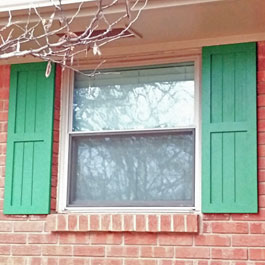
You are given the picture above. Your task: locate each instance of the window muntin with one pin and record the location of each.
(139, 114)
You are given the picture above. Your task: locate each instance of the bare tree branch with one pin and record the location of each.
(53, 39)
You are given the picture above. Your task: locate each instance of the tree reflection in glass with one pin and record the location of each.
(133, 168)
(131, 100)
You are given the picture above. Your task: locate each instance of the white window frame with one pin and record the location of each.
(66, 124)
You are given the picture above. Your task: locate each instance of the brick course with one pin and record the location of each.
(151, 239)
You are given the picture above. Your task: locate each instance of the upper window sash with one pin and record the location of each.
(135, 99)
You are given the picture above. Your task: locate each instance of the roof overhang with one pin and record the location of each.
(167, 25)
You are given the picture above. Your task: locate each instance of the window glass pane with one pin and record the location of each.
(135, 99)
(133, 170)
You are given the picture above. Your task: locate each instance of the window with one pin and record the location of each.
(132, 138)
(229, 179)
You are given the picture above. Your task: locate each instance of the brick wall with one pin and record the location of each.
(166, 239)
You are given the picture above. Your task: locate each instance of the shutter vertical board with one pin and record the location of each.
(29, 141)
(229, 129)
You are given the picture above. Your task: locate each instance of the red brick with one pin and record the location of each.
(261, 138)
(5, 227)
(152, 223)
(206, 227)
(5, 75)
(192, 252)
(29, 226)
(61, 222)
(261, 100)
(12, 239)
(248, 240)
(261, 187)
(57, 250)
(192, 223)
(94, 222)
(55, 148)
(2, 182)
(233, 227)
(35, 261)
(73, 261)
(178, 223)
(257, 228)
(203, 262)
(166, 262)
(261, 88)
(122, 251)
(3, 137)
(3, 149)
(56, 135)
(105, 222)
(4, 93)
(261, 161)
(157, 252)
(128, 222)
(182, 262)
(83, 223)
(229, 253)
(140, 262)
(212, 240)
(262, 200)
(257, 254)
(13, 261)
(165, 223)
(74, 238)
(56, 129)
(106, 238)
(50, 224)
(220, 263)
(72, 222)
(53, 203)
(261, 113)
(174, 239)
(5, 105)
(43, 239)
(26, 250)
(140, 239)
(51, 261)
(2, 160)
(261, 175)
(97, 261)
(116, 222)
(4, 250)
(140, 223)
(261, 76)
(3, 116)
(91, 251)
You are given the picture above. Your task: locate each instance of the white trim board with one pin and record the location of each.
(66, 118)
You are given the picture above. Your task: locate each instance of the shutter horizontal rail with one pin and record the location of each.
(31, 137)
(228, 127)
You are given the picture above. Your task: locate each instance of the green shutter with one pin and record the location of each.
(29, 141)
(229, 130)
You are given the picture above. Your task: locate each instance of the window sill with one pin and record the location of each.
(177, 223)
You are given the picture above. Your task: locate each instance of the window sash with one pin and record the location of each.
(132, 203)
